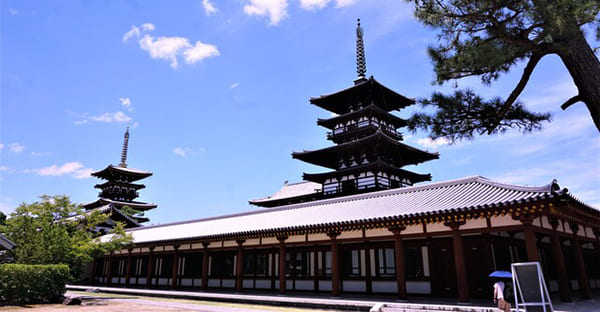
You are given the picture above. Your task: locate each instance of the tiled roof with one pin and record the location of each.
(292, 190)
(448, 196)
(5, 243)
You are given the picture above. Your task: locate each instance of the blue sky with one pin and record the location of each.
(217, 97)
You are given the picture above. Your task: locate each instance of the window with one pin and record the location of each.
(140, 266)
(350, 260)
(413, 261)
(222, 265)
(302, 264)
(192, 265)
(385, 262)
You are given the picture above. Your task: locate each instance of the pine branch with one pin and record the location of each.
(571, 101)
(533, 61)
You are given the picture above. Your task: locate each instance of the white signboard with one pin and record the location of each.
(530, 288)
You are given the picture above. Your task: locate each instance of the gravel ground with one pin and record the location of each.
(124, 303)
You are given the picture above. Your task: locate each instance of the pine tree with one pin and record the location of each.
(487, 39)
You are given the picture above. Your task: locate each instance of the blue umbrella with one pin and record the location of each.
(501, 274)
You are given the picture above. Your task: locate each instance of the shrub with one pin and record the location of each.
(25, 283)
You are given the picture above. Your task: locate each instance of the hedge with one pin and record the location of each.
(28, 283)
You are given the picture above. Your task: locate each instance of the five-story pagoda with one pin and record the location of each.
(367, 155)
(118, 192)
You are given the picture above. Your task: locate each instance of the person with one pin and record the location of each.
(499, 299)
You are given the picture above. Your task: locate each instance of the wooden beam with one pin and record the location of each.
(128, 270)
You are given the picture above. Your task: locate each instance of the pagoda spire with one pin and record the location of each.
(361, 63)
(124, 152)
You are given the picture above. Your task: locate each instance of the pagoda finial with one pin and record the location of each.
(361, 63)
(124, 152)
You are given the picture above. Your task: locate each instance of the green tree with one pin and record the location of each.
(2, 218)
(56, 231)
(487, 39)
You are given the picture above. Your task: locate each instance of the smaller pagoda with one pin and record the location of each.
(118, 193)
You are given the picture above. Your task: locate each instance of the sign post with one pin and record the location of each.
(530, 288)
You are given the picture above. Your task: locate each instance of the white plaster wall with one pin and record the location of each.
(575, 284)
(214, 282)
(324, 285)
(270, 240)
(263, 284)
(230, 243)
(413, 229)
(296, 239)
(252, 242)
(437, 227)
(505, 220)
(317, 237)
(354, 286)
(350, 234)
(418, 287)
(546, 223)
(385, 286)
(197, 246)
(229, 283)
(474, 224)
(247, 284)
(377, 232)
(141, 281)
(187, 282)
(589, 232)
(289, 284)
(305, 285)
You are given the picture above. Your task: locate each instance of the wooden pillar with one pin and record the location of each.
(150, 268)
(128, 270)
(109, 271)
(530, 240)
(564, 286)
(399, 255)
(584, 284)
(368, 268)
(282, 263)
(175, 267)
(239, 268)
(459, 262)
(205, 265)
(335, 264)
(93, 272)
(316, 268)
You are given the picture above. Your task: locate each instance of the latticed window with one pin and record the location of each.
(386, 265)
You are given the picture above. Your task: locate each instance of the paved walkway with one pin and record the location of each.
(358, 303)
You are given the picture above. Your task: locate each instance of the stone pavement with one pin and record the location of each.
(355, 303)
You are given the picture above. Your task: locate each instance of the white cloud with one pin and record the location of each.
(38, 154)
(199, 52)
(431, 143)
(126, 102)
(209, 7)
(134, 32)
(12, 11)
(1, 146)
(344, 3)
(148, 27)
(313, 4)
(112, 117)
(16, 147)
(164, 47)
(182, 151)
(275, 9)
(234, 85)
(74, 169)
(170, 48)
(80, 122)
(4, 168)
